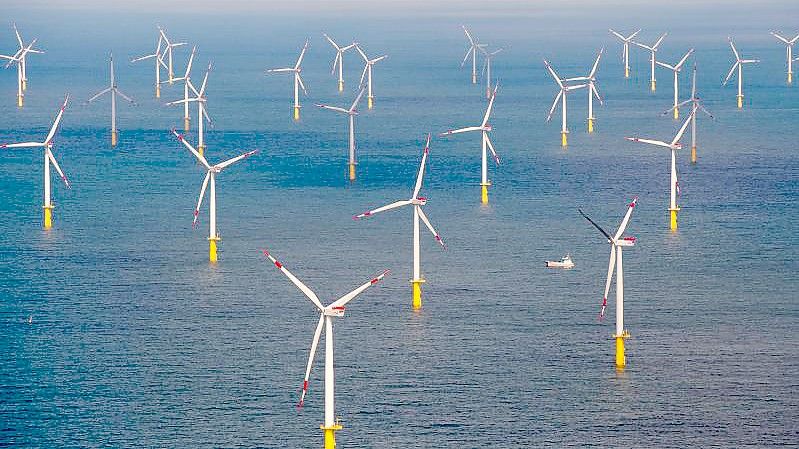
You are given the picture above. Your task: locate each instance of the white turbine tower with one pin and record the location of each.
(114, 90)
(418, 214)
(202, 115)
(617, 242)
(561, 96)
(674, 186)
(186, 78)
(676, 68)
(789, 43)
(297, 79)
(592, 90)
(367, 73)
(696, 105)
(339, 60)
(159, 64)
(625, 52)
(47, 145)
(484, 129)
(489, 56)
(739, 63)
(472, 51)
(351, 113)
(326, 315)
(212, 171)
(652, 50)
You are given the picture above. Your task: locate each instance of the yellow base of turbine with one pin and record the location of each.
(484, 192)
(186, 122)
(790, 78)
(740, 101)
(48, 216)
(652, 85)
(370, 101)
(417, 293)
(352, 172)
(20, 100)
(157, 91)
(590, 125)
(626, 72)
(296, 112)
(673, 219)
(676, 113)
(24, 85)
(114, 138)
(330, 435)
(201, 150)
(693, 155)
(212, 257)
(341, 86)
(564, 141)
(621, 359)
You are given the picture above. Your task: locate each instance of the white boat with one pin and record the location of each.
(566, 262)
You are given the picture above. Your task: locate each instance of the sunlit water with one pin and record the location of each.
(136, 341)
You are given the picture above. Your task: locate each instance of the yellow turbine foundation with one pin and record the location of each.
(790, 77)
(626, 72)
(564, 141)
(24, 84)
(157, 91)
(212, 249)
(676, 113)
(417, 293)
(114, 138)
(20, 100)
(590, 125)
(352, 172)
(740, 101)
(484, 192)
(186, 124)
(673, 219)
(296, 112)
(621, 359)
(652, 87)
(201, 149)
(341, 86)
(48, 217)
(370, 102)
(693, 155)
(330, 435)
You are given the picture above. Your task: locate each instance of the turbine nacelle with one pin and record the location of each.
(420, 201)
(337, 311)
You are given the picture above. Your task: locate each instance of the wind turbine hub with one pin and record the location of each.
(337, 311)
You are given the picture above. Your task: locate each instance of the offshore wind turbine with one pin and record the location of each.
(202, 115)
(114, 90)
(674, 186)
(326, 314)
(676, 68)
(168, 53)
(696, 105)
(367, 73)
(474, 46)
(617, 243)
(351, 113)
(625, 52)
(561, 96)
(339, 60)
(297, 79)
(789, 43)
(592, 90)
(186, 78)
(19, 59)
(49, 158)
(652, 50)
(487, 67)
(418, 214)
(159, 63)
(484, 129)
(212, 171)
(739, 63)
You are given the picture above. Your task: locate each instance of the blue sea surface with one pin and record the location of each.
(135, 340)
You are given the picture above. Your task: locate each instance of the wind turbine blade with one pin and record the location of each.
(554, 104)
(617, 35)
(468, 35)
(393, 205)
(420, 176)
(191, 148)
(302, 85)
(596, 63)
(286, 69)
(357, 99)
(684, 58)
(683, 128)
(57, 120)
(659, 143)
(626, 220)
(341, 302)
(302, 55)
(333, 108)
(430, 227)
(363, 55)
(633, 35)
(335, 45)
(663, 64)
(611, 266)
(232, 161)
(552, 72)
(191, 61)
(706, 111)
(466, 56)
(489, 108)
(335, 62)
(19, 38)
(378, 59)
(205, 81)
(57, 168)
(98, 94)
(660, 39)
(592, 86)
(461, 130)
(737, 57)
(314, 343)
(729, 75)
(595, 225)
(491, 148)
(22, 145)
(125, 97)
(308, 292)
(363, 74)
(200, 199)
(679, 105)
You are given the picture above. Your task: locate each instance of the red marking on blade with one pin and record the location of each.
(338, 308)
(266, 253)
(4, 146)
(305, 385)
(421, 198)
(278, 264)
(366, 214)
(374, 281)
(629, 239)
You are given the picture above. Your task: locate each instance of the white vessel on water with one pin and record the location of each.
(565, 262)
